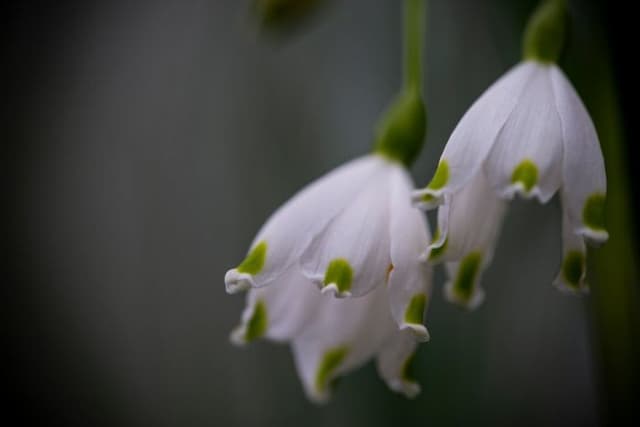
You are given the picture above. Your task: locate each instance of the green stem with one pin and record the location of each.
(414, 30)
(613, 271)
(401, 130)
(614, 279)
(614, 274)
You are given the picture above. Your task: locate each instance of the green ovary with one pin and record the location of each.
(257, 325)
(254, 261)
(468, 269)
(415, 309)
(573, 268)
(401, 132)
(545, 32)
(593, 211)
(330, 361)
(339, 272)
(525, 173)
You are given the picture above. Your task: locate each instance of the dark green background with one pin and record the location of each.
(151, 139)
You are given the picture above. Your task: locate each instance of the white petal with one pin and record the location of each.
(292, 226)
(583, 173)
(474, 136)
(572, 275)
(280, 311)
(470, 220)
(351, 256)
(345, 334)
(394, 362)
(409, 277)
(526, 158)
(468, 224)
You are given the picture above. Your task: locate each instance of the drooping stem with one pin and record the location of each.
(414, 30)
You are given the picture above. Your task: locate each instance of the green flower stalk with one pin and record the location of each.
(401, 130)
(615, 301)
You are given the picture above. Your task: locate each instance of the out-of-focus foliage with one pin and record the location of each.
(285, 14)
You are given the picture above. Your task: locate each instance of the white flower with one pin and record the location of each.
(352, 233)
(330, 337)
(528, 134)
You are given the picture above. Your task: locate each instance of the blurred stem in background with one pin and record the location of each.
(613, 269)
(614, 275)
(414, 34)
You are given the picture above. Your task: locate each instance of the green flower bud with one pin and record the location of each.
(400, 133)
(544, 35)
(282, 14)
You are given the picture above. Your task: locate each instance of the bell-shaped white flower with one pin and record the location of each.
(352, 233)
(348, 233)
(529, 135)
(337, 270)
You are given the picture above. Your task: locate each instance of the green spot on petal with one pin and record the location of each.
(254, 261)
(407, 373)
(330, 361)
(466, 277)
(525, 173)
(436, 253)
(573, 268)
(593, 212)
(441, 177)
(339, 272)
(415, 309)
(257, 325)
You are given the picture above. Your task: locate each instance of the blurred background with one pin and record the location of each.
(149, 140)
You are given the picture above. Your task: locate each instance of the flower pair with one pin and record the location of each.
(354, 235)
(529, 135)
(342, 271)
